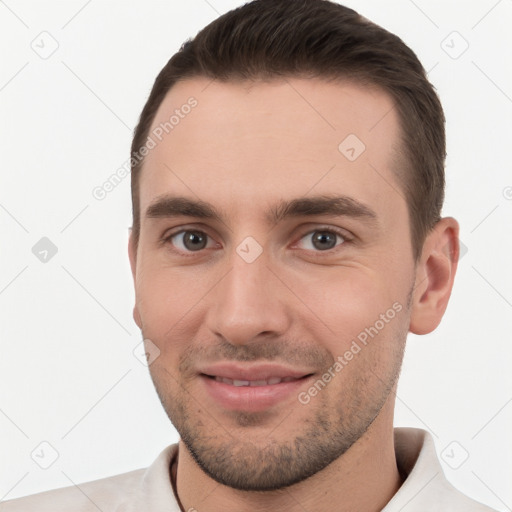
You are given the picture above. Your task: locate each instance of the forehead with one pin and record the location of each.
(261, 140)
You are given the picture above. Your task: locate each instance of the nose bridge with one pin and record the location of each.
(246, 302)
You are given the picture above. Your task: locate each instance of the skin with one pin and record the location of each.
(245, 147)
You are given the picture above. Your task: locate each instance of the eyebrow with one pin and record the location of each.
(168, 206)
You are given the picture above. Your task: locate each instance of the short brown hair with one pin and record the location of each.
(272, 39)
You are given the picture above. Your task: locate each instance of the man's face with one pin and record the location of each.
(315, 293)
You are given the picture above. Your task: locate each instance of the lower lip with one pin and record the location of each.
(251, 398)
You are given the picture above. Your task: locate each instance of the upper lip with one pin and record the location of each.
(252, 372)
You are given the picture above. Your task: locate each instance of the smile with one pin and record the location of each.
(252, 387)
(254, 383)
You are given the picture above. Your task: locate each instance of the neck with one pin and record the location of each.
(365, 478)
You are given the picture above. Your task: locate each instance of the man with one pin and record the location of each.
(287, 183)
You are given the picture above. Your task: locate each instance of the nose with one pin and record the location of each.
(249, 302)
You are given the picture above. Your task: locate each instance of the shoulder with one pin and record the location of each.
(426, 486)
(105, 494)
(452, 500)
(142, 489)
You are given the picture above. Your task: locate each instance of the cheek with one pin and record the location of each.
(362, 314)
(170, 301)
(349, 298)
(164, 294)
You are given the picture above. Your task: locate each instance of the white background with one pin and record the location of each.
(67, 371)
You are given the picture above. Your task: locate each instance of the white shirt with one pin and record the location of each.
(150, 490)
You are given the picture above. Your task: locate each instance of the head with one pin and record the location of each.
(287, 225)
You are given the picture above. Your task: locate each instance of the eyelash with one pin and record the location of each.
(166, 239)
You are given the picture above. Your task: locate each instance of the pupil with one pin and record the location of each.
(194, 241)
(324, 240)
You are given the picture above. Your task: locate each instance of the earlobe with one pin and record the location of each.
(435, 273)
(136, 317)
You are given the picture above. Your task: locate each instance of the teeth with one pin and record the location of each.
(240, 382)
(258, 383)
(254, 383)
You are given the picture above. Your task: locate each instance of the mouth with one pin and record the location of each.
(254, 383)
(252, 388)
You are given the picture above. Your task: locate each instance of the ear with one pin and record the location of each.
(435, 273)
(132, 254)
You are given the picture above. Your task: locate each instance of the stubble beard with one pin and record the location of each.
(231, 457)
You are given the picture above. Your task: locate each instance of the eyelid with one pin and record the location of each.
(326, 227)
(185, 227)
